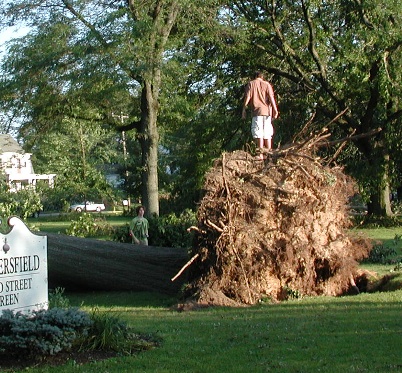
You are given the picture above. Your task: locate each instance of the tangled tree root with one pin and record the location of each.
(272, 228)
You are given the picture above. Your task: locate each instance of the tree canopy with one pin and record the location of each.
(176, 70)
(106, 56)
(331, 58)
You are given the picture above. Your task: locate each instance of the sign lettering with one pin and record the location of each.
(23, 269)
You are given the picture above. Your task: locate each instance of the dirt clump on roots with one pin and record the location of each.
(273, 229)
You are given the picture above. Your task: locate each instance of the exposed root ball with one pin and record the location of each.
(273, 228)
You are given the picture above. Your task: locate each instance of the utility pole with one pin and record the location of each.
(123, 138)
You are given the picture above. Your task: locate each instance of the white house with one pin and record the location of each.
(17, 165)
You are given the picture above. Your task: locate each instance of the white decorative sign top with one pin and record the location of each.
(23, 269)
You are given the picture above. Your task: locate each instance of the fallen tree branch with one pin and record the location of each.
(352, 137)
(338, 116)
(338, 151)
(310, 121)
(185, 266)
(306, 144)
(319, 140)
(307, 125)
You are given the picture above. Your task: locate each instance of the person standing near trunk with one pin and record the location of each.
(139, 227)
(259, 95)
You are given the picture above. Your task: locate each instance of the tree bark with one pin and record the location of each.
(380, 203)
(164, 15)
(88, 264)
(149, 139)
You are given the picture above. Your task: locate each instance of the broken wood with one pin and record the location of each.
(373, 132)
(188, 264)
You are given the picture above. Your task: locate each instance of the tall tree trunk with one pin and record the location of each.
(380, 203)
(164, 15)
(149, 139)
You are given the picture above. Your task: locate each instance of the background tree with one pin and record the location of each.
(324, 58)
(129, 39)
(203, 115)
(327, 58)
(64, 132)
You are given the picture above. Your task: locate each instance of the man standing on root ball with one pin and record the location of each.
(139, 227)
(259, 94)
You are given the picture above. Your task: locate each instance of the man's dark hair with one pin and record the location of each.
(138, 209)
(258, 74)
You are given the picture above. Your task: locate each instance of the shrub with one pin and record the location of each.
(381, 254)
(23, 203)
(398, 266)
(89, 225)
(372, 221)
(49, 332)
(109, 332)
(121, 234)
(44, 332)
(57, 299)
(171, 230)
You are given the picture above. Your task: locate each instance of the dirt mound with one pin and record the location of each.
(273, 229)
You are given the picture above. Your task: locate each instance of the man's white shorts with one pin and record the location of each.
(261, 127)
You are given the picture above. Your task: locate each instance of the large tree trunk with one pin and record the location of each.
(380, 203)
(149, 145)
(164, 16)
(88, 264)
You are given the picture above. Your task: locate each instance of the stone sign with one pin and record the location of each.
(23, 269)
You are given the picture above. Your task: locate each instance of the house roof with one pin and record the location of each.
(8, 144)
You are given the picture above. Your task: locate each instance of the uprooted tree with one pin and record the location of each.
(267, 229)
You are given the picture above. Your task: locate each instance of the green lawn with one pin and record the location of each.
(347, 334)
(389, 238)
(385, 235)
(361, 333)
(59, 223)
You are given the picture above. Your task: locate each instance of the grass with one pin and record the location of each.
(389, 238)
(59, 223)
(385, 235)
(346, 334)
(361, 333)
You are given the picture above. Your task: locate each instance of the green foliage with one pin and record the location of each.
(373, 221)
(89, 225)
(63, 328)
(386, 253)
(292, 294)
(44, 332)
(320, 57)
(110, 332)
(121, 234)
(381, 254)
(398, 266)
(57, 299)
(397, 208)
(23, 203)
(397, 239)
(171, 230)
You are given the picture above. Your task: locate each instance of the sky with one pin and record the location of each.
(6, 35)
(11, 33)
